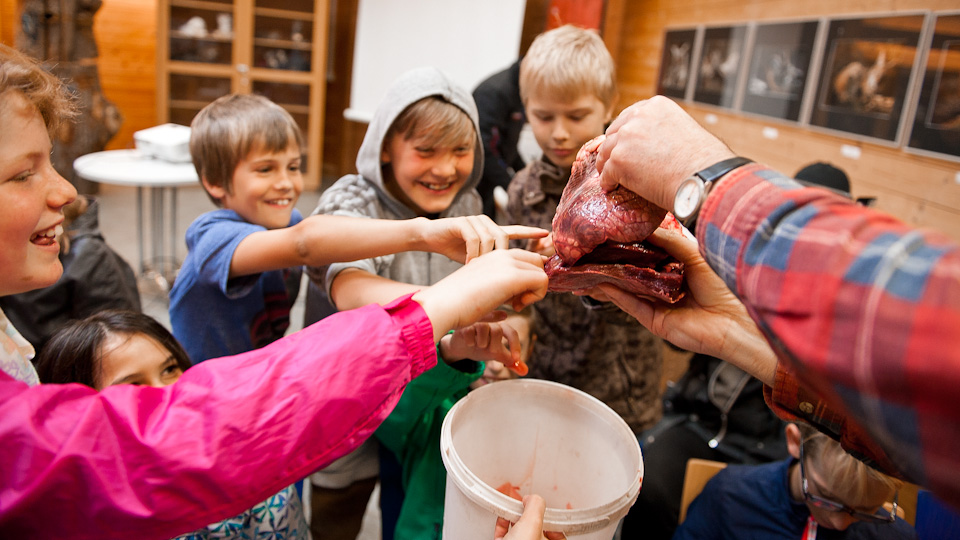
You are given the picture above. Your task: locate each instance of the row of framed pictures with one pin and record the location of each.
(892, 79)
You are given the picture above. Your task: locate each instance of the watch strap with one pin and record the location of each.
(717, 170)
(708, 176)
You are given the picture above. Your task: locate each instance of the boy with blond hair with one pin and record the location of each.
(568, 87)
(240, 277)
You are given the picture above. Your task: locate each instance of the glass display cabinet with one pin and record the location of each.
(276, 48)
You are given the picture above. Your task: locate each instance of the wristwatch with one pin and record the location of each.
(693, 191)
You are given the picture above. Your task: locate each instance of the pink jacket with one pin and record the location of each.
(139, 462)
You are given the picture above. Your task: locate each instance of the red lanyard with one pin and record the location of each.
(810, 531)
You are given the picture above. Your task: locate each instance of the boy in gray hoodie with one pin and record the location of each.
(421, 156)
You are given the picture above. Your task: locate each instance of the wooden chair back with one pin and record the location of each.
(698, 472)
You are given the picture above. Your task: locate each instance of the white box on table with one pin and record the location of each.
(169, 142)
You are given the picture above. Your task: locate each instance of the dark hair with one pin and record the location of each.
(73, 354)
(826, 175)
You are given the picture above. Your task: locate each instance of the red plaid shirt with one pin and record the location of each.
(862, 309)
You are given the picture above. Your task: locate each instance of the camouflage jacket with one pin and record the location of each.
(600, 350)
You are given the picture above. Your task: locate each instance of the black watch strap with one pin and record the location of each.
(715, 171)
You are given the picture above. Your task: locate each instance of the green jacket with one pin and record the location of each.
(412, 433)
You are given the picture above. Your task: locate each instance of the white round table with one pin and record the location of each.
(132, 168)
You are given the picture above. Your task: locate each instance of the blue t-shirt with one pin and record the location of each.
(753, 501)
(214, 316)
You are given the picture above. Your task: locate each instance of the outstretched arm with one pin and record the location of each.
(652, 146)
(862, 307)
(324, 239)
(232, 430)
(352, 288)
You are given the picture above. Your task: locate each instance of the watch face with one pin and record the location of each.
(688, 198)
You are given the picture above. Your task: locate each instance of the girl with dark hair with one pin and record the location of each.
(125, 347)
(113, 347)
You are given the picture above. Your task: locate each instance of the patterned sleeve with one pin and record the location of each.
(793, 402)
(863, 308)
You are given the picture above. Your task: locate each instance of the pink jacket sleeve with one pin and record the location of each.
(139, 462)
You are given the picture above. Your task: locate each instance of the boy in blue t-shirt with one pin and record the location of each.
(237, 284)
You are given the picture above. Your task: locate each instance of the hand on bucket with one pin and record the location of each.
(530, 525)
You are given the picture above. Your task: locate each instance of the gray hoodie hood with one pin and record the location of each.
(409, 88)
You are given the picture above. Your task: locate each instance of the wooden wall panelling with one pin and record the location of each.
(126, 34)
(125, 31)
(8, 14)
(920, 190)
(612, 29)
(339, 156)
(534, 22)
(318, 92)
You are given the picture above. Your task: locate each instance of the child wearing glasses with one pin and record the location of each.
(821, 492)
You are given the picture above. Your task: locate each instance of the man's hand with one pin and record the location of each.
(710, 320)
(653, 146)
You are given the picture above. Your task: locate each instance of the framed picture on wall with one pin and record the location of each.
(676, 63)
(721, 61)
(778, 69)
(866, 74)
(936, 123)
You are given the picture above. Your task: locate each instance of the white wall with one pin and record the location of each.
(467, 39)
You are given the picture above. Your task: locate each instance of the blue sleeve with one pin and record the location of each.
(212, 240)
(898, 530)
(703, 516)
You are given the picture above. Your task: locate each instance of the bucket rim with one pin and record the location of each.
(572, 521)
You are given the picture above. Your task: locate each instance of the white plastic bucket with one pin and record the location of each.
(546, 438)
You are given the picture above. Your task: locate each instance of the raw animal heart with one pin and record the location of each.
(588, 216)
(599, 237)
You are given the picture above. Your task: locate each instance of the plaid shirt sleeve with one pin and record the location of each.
(863, 309)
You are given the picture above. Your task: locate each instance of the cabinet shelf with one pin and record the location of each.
(194, 71)
(199, 69)
(283, 14)
(283, 44)
(201, 4)
(295, 109)
(188, 104)
(176, 34)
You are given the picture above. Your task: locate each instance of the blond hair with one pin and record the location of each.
(229, 129)
(566, 63)
(852, 481)
(22, 74)
(435, 122)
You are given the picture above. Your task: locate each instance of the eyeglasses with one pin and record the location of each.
(880, 516)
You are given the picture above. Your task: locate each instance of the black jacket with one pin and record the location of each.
(501, 121)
